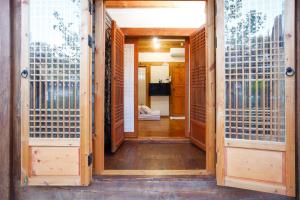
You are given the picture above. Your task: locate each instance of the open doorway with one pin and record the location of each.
(150, 96)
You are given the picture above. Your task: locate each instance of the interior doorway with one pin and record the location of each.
(148, 79)
(178, 116)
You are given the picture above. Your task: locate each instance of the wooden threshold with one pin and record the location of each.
(155, 172)
(159, 139)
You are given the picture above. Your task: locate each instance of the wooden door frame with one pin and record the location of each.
(99, 99)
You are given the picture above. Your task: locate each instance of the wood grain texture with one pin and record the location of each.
(297, 11)
(290, 98)
(98, 142)
(5, 100)
(187, 87)
(170, 32)
(162, 128)
(198, 86)
(177, 98)
(211, 88)
(156, 156)
(145, 4)
(117, 87)
(146, 45)
(146, 188)
(85, 95)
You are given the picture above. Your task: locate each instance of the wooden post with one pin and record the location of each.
(297, 11)
(5, 101)
(99, 88)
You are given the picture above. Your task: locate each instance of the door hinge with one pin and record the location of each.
(90, 159)
(91, 7)
(90, 41)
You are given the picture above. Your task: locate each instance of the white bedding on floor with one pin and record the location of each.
(151, 115)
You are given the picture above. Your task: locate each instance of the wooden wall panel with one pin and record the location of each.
(241, 166)
(54, 161)
(5, 100)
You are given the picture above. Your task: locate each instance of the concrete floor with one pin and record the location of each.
(144, 188)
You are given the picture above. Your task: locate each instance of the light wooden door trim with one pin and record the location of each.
(277, 158)
(49, 160)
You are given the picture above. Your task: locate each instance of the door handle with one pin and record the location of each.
(290, 71)
(24, 73)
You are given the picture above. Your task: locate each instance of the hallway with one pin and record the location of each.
(134, 155)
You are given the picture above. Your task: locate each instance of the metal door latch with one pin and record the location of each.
(24, 73)
(289, 71)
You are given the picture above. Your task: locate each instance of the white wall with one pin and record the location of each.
(129, 88)
(160, 102)
(186, 16)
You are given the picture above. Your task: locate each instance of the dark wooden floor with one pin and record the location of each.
(134, 155)
(144, 188)
(162, 128)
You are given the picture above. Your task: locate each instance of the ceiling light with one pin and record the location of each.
(156, 45)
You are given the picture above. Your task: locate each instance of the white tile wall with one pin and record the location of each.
(129, 87)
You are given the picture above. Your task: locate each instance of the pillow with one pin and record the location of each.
(141, 110)
(146, 110)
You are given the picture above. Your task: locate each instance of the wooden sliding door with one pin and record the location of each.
(117, 87)
(256, 95)
(198, 88)
(55, 99)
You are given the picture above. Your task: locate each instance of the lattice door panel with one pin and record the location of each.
(55, 124)
(198, 87)
(256, 95)
(117, 130)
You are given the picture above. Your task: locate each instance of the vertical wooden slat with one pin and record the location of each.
(297, 68)
(210, 87)
(6, 100)
(25, 95)
(99, 87)
(290, 97)
(220, 93)
(187, 85)
(85, 96)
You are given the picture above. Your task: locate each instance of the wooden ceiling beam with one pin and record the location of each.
(145, 4)
(163, 32)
